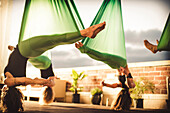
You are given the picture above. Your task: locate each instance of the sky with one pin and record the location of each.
(142, 19)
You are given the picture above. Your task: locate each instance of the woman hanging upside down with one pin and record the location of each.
(123, 100)
(15, 71)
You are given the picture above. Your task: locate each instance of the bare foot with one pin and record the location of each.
(150, 46)
(11, 48)
(78, 45)
(92, 31)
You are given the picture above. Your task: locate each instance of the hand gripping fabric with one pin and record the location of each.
(164, 43)
(46, 24)
(109, 45)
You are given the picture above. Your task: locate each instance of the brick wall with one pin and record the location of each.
(156, 72)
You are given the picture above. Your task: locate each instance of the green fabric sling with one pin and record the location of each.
(164, 43)
(109, 45)
(46, 24)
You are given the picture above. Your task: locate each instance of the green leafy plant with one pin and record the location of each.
(142, 85)
(96, 91)
(76, 77)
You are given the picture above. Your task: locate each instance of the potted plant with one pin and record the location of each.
(142, 85)
(75, 88)
(96, 95)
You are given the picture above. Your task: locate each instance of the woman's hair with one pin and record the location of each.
(48, 95)
(123, 100)
(12, 100)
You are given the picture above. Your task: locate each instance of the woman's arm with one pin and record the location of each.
(115, 85)
(12, 81)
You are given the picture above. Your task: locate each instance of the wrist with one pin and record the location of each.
(119, 84)
(46, 81)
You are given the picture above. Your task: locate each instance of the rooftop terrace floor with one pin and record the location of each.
(58, 107)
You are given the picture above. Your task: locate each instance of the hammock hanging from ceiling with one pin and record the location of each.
(47, 17)
(109, 45)
(164, 43)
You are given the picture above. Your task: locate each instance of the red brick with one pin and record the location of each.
(102, 70)
(168, 68)
(99, 79)
(150, 77)
(94, 80)
(91, 77)
(149, 69)
(135, 74)
(157, 91)
(161, 68)
(148, 92)
(156, 81)
(103, 76)
(100, 87)
(135, 78)
(92, 71)
(160, 78)
(160, 86)
(146, 74)
(109, 71)
(143, 74)
(163, 82)
(165, 73)
(163, 91)
(136, 70)
(154, 73)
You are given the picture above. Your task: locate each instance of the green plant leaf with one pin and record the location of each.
(83, 77)
(142, 85)
(75, 83)
(81, 74)
(76, 77)
(79, 89)
(74, 74)
(96, 91)
(72, 89)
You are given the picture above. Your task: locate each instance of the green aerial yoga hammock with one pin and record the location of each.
(164, 43)
(42, 25)
(109, 45)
